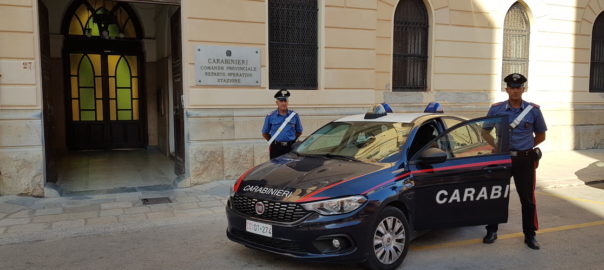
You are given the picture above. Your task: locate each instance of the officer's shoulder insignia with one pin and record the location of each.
(535, 105)
(496, 104)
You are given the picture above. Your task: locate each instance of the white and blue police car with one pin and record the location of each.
(360, 188)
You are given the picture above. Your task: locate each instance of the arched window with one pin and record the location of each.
(101, 18)
(292, 49)
(86, 87)
(516, 35)
(410, 50)
(596, 74)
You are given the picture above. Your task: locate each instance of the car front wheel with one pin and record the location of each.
(389, 240)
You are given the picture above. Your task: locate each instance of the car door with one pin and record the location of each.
(462, 176)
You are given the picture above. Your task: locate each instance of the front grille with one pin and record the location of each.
(270, 242)
(273, 211)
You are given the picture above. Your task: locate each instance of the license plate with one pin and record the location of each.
(259, 228)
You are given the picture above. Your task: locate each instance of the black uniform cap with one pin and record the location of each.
(282, 94)
(515, 80)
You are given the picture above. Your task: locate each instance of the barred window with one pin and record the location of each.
(410, 50)
(292, 49)
(516, 31)
(596, 74)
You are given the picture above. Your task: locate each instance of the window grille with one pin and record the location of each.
(293, 44)
(596, 74)
(410, 50)
(516, 35)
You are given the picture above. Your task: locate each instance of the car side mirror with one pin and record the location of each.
(433, 155)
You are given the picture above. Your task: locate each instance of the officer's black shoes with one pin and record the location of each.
(490, 238)
(531, 242)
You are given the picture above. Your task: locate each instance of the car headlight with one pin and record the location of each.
(335, 206)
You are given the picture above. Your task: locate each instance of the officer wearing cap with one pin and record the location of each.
(290, 132)
(527, 130)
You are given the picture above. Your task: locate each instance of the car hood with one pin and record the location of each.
(291, 177)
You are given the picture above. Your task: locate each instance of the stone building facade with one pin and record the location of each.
(355, 43)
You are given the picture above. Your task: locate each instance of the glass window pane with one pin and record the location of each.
(112, 87)
(88, 116)
(112, 110)
(82, 12)
(94, 28)
(133, 65)
(87, 98)
(135, 109)
(124, 115)
(74, 61)
(129, 31)
(112, 63)
(96, 63)
(75, 28)
(99, 110)
(99, 87)
(123, 99)
(134, 88)
(114, 30)
(85, 74)
(123, 73)
(74, 87)
(75, 110)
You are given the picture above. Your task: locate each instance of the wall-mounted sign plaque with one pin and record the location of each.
(227, 66)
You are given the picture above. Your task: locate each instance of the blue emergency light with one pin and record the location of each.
(434, 107)
(378, 110)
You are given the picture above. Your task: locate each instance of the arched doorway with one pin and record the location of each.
(108, 110)
(104, 86)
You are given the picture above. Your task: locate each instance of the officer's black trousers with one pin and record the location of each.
(277, 149)
(523, 171)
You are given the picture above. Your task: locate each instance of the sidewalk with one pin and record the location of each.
(25, 219)
(31, 219)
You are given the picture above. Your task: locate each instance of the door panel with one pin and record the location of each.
(105, 101)
(179, 143)
(472, 186)
(47, 96)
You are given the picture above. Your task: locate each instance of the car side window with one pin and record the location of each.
(475, 138)
(450, 122)
(425, 134)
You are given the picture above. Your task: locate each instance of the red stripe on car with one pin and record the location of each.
(236, 186)
(503, 161)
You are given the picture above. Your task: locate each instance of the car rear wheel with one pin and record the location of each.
(389, 240)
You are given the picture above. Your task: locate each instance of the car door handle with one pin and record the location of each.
(491, 168)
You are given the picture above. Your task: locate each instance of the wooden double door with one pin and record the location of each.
(105, 100)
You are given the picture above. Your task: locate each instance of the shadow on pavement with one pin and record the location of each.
(592, 174)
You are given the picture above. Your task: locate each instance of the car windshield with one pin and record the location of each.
(364, 141)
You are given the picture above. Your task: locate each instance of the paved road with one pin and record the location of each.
(571, 219)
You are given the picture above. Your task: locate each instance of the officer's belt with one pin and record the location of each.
(525, 153)
(284, 144)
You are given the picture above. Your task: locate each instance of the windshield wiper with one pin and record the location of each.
(340, 157)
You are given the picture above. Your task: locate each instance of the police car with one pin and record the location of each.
(361, 187)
